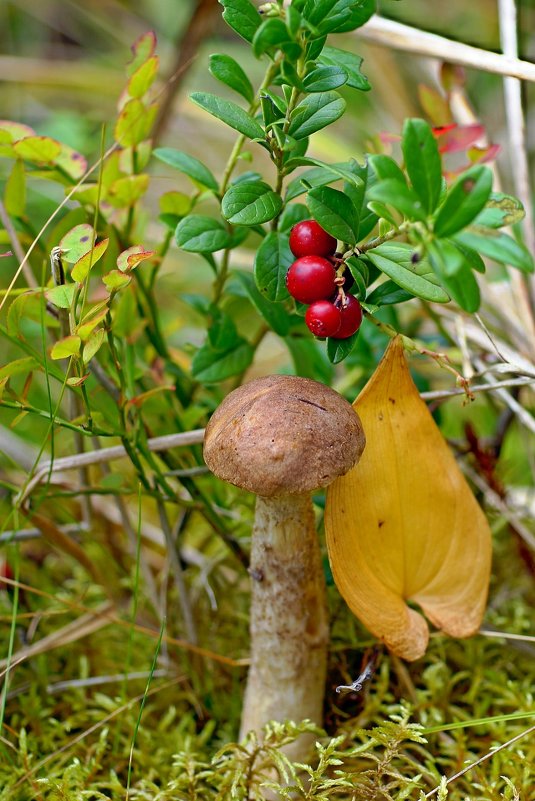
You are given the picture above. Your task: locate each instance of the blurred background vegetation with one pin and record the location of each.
(62, 68)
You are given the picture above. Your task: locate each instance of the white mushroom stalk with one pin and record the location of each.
(282, 437)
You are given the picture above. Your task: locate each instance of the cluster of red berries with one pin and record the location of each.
(313, 279)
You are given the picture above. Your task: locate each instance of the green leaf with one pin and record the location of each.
(339, 349)
(227, 70)
(81, 269)
(274, 314)
(294, 20)
(387, 294)
(381, 211)
(349, 62)
(399, 196)
(452, 259)
(115, 280)
(242, 17)
(360, 13)
(270, 110)
(200, 234)
(309, 358)
(126, 191)
(501, 210)
(66, 347)
(271, 34)
(385, 167)
(359, 196)
(11, 132)
(15, 190)
(394, 260)
(76, 242)
(222, 334)
(93, 344)
(177, 203)
(71, 162)
(314, 113)
(18, 366)
(461, 285)
(91, 320)
(498, 246)
(422, 162)
(335, 213)
(134, 123)
(322, 79)
(39, 149)
(328, 16)
(189, 165)
(210, 365)
(272, 261)
(143, 78)
(332, 172)
(464, 200)
(229, 113)
(359, 270)
(472, 257)
(310, 178)
(61, 296)
(250, 203)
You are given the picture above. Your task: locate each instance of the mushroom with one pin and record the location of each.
(282, 437)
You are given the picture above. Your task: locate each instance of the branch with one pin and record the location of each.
(516, 127)
(164, 443)
(403, 37)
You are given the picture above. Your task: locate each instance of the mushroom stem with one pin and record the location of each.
(289, 624)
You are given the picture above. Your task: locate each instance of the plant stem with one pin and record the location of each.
(374, 243)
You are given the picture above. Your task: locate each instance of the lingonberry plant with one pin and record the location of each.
(383, 220)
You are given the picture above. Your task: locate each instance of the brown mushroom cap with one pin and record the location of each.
(283, 435)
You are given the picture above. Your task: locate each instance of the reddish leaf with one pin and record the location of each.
(130, 258)
(453, 139)
(143, 48)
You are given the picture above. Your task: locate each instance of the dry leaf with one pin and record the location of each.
(403, 526)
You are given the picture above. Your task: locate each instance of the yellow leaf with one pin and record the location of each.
(403, 526)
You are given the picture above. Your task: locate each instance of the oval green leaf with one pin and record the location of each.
(422, 162)
(464, 200)
(323, 79)
(335, 213)
(498, 246)
(250, 203)
(39, 149)
(200, 234)
(242, 17)
(76, 242)
(227, 70)
(189, 165)
(395, 262)
(350, 63)
(272, 260)
(230, 113)
(314, 113)
(81, 269)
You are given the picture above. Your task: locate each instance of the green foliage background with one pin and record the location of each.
(63, 65)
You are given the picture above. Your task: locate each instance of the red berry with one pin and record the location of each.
(311, 278)
(307, 238)
(323, 318)
(351, 313)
